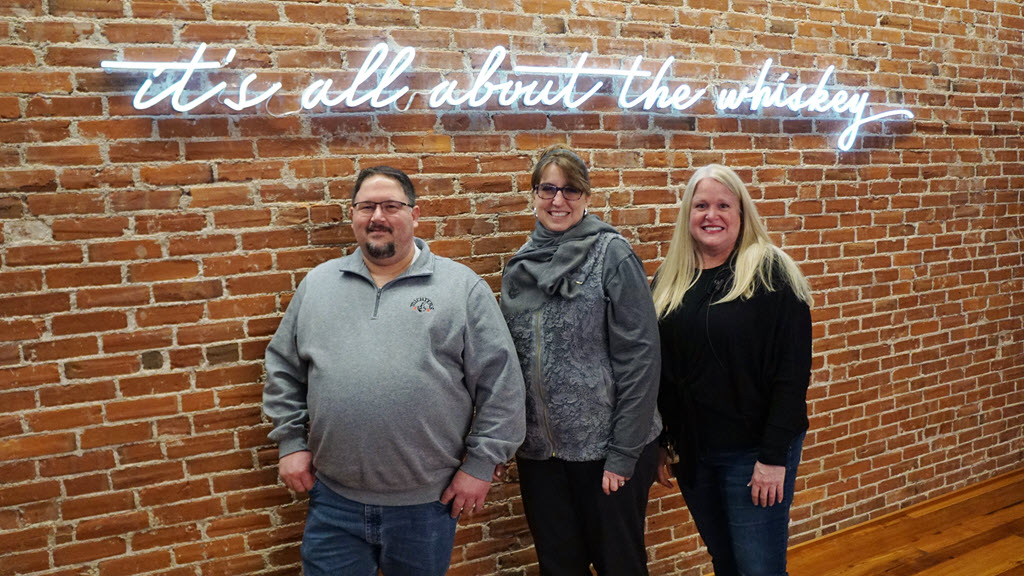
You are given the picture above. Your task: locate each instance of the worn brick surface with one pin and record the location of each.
(146, 256)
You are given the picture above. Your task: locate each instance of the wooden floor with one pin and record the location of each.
(977, 531)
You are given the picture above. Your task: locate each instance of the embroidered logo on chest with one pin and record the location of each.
(422, 305)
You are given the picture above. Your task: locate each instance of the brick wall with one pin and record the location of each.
(147, 256)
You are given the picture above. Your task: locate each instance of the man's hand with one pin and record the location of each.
(766, 485)
(296, 469)
(664, 472)
(465, 493)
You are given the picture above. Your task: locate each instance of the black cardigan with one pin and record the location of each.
(734, 375)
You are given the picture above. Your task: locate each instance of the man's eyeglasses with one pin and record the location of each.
(549, 191)
(368, 207)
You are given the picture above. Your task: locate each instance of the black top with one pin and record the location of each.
(734, 375)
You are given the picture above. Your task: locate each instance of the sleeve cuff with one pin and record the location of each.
(478, 468)
(619, 464)
(772, 456)
(290, 445)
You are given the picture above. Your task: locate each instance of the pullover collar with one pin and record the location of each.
(423, 265)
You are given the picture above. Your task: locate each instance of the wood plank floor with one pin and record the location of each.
(976, 531)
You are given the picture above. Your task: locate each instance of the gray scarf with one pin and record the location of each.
(539, 271)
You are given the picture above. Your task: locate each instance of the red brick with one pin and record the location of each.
(163, 315)
(189, 512)
(15, 402)
(21, 281)
(117, 129)
(178, 174)
(138, 564)
(21, 540)
(56, 31)
(74, 56)
(232, 265)
(27, 563)
(35, 131)
(184, 291)
(136, 33)
(244, 11)
(242, 307)
(204, 32)
(124, 250)
(133, 200)
(136, 476)
(155, 224)
(167, 9)
(27, 180)
(137, 340)
(75, 464)
(154, 384)
(88, 228)
(175, 492)
(36, 82)
(83, 276)
(153, 151)
(115, 435)
(84, 178)
(317, 13)
(206, 244)
(64, 203)
(286, 35)
(67, 155)
(35, 446)
(25, 493)
(87, 8)
(219, 149)
(157, 271)
(100, 297)
(61, 349)
(189, 128)
(207, 333)
(228, 376)
(106, 366)
(89, 322)
(142, 408)
(274, 239)
(65, 418)
(227, 219)
(35, 304)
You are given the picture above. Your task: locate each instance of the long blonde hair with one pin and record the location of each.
(754, 256)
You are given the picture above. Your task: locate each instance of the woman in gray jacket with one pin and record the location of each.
(578, 306)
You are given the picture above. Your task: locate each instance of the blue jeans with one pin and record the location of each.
(743, 539)
(346, 538)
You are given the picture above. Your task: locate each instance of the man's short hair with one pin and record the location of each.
(393, 173)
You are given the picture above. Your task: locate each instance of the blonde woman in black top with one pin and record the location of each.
(735, 326)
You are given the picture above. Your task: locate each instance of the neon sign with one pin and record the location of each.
(379, 86)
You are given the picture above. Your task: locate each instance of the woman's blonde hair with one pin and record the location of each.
(572, 166)
(753, 258)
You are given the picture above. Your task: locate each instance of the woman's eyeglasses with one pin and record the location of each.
(549, 191)
(367, 207)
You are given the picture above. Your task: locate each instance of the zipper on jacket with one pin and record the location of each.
(540, 385)
(376, 304)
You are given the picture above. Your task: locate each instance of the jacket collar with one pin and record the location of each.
(423, 266)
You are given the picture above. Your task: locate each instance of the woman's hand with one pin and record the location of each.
(612, 482)
(766, 485)
(664, 472)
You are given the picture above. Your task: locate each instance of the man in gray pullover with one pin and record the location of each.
(395, 393)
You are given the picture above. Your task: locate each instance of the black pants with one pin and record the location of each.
(574, 523)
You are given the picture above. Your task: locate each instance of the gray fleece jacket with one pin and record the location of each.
(400, 386)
